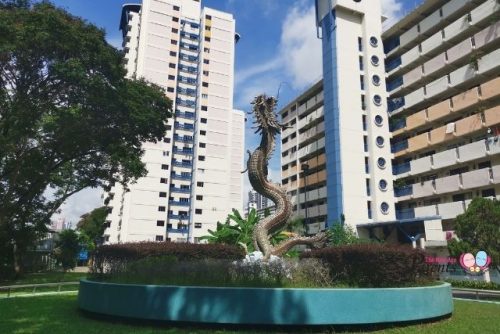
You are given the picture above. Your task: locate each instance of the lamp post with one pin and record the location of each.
(305, 170)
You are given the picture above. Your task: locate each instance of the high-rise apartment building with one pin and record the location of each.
(260, 201)
(440, 124)
(194, 175)
(443, 67)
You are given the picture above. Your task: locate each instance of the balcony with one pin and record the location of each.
(186, 80)
(184, 139)
(421, 165)
(450, 210)
(405, 214)
(393, 64)
(477, 178)
(188, 69)
(178, 217)
(179, 203)
(185, 151)
(190, 36)
(403, 191)
(182, 164)
(472, 151)
(184, 230)
(190, 58)
(186, 177)
(186, 115)
(186, 91)
(401, 168)
(400, 146)
(395, 104)
(448, 184)
(180, 190)
(187, 127)
(396, 124)
(188, 46)
(186, 103)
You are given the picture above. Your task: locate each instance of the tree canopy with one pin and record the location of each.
(69, 119)
(478, 229)
(91, 227)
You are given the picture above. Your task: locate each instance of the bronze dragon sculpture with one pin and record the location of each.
(257, 166)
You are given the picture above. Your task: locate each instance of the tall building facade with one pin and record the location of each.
(437, 118)
(443, 67)
(260, 201)
(194, 175)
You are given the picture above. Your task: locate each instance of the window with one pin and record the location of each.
(161, 208)
(377, 99)
(488, 193)
(198, 211)
(200, 184)
(379, 120)
(160, 223)
(164, 167)
(205, 84)
(361, 64)
(380, 141)
(201, 158)
(173, 54)
(384, 207)
(170, 89)
(177, 8)
(169, 127)
(197, 225)
(207, 39)
(206, 61)
(204, 108)
(175, 30)
(173, 41)
(360, 44)
(363, 118)
(171, 65)
(203, 120)
(362, 82)
(375, 61)
(203, 145)
(363, 102)
(163, 194)
(159, 238)
(207, 50)
(199, 197)
(204, 96)
(208, 17)
(163, 180)
(175, 19)
(381, 162)
(382, 184)
(376, 80)
(171, 77)
(166, 140)
(203, 133)
(373, 41)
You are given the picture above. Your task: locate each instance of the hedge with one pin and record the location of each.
(111, 258)
(480, 285)
(373, 265)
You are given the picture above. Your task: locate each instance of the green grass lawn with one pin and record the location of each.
(50, 277)
(59, 314)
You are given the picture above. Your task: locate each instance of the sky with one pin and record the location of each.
(278, 51)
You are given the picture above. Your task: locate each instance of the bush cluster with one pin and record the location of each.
(115, 258)
(481, 285)
(373, 265)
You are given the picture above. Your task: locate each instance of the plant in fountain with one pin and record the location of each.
(257, 166)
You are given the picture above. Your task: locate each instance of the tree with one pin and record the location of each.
(91, 227)
(341, 234)
(69, 119)
(66, 249)
(478, 229)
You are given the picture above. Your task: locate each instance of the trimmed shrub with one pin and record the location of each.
(373, 265)
(114, 258)
(480, 285)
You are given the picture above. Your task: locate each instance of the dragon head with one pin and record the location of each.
(265, 118)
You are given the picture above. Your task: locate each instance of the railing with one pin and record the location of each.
(183, 151)
(188, 115)
(186, 103)
(182, 164)
(192, 24)
(401, 168)
(188, 46)
(184, 139)
(178, 203)
(186, 57)
(180, 190)
(188, 69)
(183, 217)
(191, 81)
(34, 287)
(190, 35)
(188, 92)
(402, 145)
(403, 191)
(178, 230)
(188, 127)
(181, 177)
(405, 214)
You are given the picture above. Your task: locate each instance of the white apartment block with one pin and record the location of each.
(194, 175)
(442, 67)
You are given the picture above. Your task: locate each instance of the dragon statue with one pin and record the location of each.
(257, 167)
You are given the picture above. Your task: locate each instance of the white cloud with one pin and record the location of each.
(300, 47)
(80, 203)
(392, 9)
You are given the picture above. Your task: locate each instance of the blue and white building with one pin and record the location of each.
(194, 175)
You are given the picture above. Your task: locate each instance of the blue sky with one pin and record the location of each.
(278, 47)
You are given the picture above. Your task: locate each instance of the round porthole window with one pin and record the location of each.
(379, 120)
(380, 141)
(375, 61)
(384, 207)
(373, 41)
(382, 185)
(376, 80)
(381, 162)
(377, 100)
